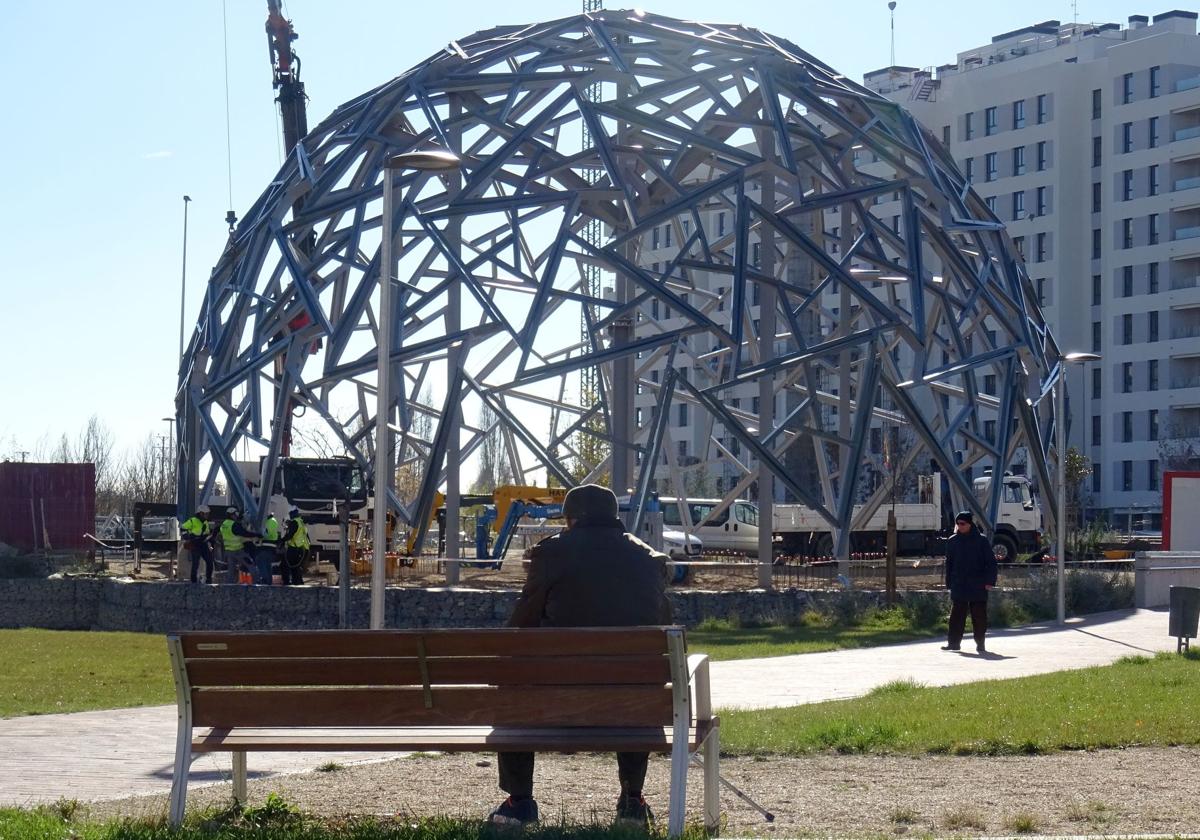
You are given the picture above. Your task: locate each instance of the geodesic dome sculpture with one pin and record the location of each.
(670, 245)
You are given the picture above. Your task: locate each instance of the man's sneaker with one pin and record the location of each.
(634, 810)
(516, 812)
(951, 647)
(980, 649)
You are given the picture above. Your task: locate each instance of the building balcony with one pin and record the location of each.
(1187, 183)
(1187, 84)
(1185, 331)
(1187, 233)
(1187, 133)
(1178, 383)
(1184, 283)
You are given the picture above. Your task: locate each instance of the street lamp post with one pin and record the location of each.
(431, 161)
(1060, 425)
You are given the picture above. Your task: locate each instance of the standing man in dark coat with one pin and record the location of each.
(594, 574)
(970, 574)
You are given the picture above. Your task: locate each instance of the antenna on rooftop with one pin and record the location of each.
(892, 13)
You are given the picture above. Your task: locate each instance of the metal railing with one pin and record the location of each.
(1187, 183)
(1185, 382)
(1184, 282)
(1187, 84)
(1187, 233)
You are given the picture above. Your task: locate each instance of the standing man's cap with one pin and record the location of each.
(294, 512)
(965, 516)
(590, 501)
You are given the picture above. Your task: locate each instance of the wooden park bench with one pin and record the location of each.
(624, 689)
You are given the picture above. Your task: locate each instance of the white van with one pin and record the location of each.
(733, 530)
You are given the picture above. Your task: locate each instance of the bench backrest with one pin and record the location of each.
(631, 676)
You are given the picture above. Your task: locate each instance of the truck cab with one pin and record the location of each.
(1019, 520)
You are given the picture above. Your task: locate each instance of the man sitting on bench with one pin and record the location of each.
(594, 574)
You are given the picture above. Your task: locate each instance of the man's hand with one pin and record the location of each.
(989, 586)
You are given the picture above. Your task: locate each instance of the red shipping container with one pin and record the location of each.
(40, 501)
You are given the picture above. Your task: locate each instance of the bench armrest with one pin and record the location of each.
(699, 680)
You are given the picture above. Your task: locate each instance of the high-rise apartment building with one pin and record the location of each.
(1085, 141)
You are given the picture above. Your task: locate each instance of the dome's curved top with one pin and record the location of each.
(651, 213)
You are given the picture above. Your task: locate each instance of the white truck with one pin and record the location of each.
(920, 525)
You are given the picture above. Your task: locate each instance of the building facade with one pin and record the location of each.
(1085, 141)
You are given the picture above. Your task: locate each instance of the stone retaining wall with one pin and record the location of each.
(114, 604)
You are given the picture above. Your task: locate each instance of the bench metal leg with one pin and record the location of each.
(711, 751)
(679, 768)
(239, 778)
(183, 763)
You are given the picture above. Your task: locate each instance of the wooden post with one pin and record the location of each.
(891, 557)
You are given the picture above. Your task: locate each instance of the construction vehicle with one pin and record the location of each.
(501, 498)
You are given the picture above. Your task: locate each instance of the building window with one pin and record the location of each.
(1127, 281)
(1155, 72)
(1039, 286)
(1127, 475)
(681, 447)
(654, 237)
(1126, 137)
(1127, 185)
(1097, 383)
(1019, 114)
(1041, 207)
(1095, 243)
(1127, 329)
(969, 168)
(720, 298)
(721, 223)
(1019, 244)
(1095, 478)
(1127, 377)
(989, 431)
(756, 254)
(989, 121)
(1153, 139)
(1152, 181)
(1127, 88)
(968, 126)
(1041, 156)
(1097, 197)
(989, 383)
(1018, 160)
(1152, 468)
(895, 224)
(945, 135)
(1018, 205)
(1126, 427)
(1097, 427)
(1152, 220)
(1095, 336)
(990, 201)
(1152, 375)
(683, 414)
(1097, 151)
(989, 165)
(1096, 98)
(667, 235)
(1040, 248)
(1042, 114)
(1096, 290)
(1152, 279)
(1127, 233)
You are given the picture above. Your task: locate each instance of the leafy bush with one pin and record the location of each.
(923, 609)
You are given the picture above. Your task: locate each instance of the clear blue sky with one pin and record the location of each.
(113, 111)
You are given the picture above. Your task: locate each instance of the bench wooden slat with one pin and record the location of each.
(572, 642)
(444, 739)
(492, 706)
(461, 670)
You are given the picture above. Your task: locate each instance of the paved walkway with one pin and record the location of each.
(96, 755)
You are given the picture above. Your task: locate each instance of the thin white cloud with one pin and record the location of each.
(159, 155)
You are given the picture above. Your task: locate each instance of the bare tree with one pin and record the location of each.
(494, 466)
(148, 476)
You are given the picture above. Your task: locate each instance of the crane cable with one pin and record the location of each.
(230, 216)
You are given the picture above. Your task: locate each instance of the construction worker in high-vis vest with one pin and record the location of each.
(234, 537)
(197, 534)
(269, 551)
(296, 541)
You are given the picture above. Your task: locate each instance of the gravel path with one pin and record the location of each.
(1111, 792)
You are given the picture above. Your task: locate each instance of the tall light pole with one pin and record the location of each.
(1060, 433)
(432, 161)
(183, 276)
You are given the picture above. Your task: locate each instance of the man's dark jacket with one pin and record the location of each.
(593, 575)
(970, 566)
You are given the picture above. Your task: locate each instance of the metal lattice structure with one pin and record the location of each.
(742, 187)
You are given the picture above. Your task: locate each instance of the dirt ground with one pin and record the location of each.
(1143, 790)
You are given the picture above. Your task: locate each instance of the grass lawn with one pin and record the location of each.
(721, 640)
(1137, 701)
(48, 671)
(276, 820)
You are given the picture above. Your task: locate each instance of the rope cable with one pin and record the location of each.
(230, 217)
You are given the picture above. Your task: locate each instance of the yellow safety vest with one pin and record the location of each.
(271, 529)
(300, 538)
(230, 540)
(194, 526)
